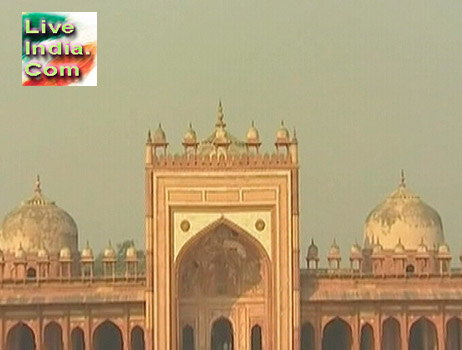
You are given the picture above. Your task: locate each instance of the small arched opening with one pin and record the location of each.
(367, 337)
(336, 335)
(187, 338)
(53, 337)
(20, 337)
(307, 339)
(222, 335)
(391, 334)
(77, 339)
(423, 335)
(256, 338)
(454, 334)
(137, 339)
(31, 273)
(107, 336)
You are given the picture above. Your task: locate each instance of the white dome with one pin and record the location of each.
(404, 216)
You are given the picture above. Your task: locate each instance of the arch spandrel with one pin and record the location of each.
(222, 260)
(188, 224)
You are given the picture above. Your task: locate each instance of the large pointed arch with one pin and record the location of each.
(53, 336)
(107, 336)
(20, 337)
(391, 334)
(337, 335)
(423, 335)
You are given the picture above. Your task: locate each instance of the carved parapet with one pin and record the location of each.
(231, 161)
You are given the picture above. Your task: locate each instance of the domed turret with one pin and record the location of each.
(20, 253)
(399, 248)
(159, 137)
(190, 136)
(109, 252)
(422, 247)
(313, 251)
(377, 248)
(131, 253)
(282, 135)
(356, 250)
(65, 254)
(87, 253)
(252, 134)
(43, 254)
(334, 250)
(37, 223)
(403, 215)
(444, 249)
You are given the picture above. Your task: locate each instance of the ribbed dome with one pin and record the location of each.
(131, 253)
(38, 223)
(159, 136)
(109, 252)
(404, 216)
(334, 250)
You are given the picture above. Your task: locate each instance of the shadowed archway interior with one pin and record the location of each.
(423, 335)
(77, 339)
(336, 335)
(53, 338)
(367, 337)
(137, 339)
(391, 334)
(107, 337)
(222, 335)
(20, 337)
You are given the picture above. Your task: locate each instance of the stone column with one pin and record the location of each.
(66, 332)
(404, 331)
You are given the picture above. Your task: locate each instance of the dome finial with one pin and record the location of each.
(403, 179)
(38, 185)
(220, 116)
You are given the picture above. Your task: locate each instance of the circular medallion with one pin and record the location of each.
(260, 225)
(185, 226)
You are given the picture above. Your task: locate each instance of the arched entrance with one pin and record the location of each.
(256, 340)
(20, 337)
(307, 339)
(222, 335)
(214, 271)
(336, 335)
(137, 339)
(53, 337)
(391, 334)
(187, 338)
(367, 337)
(107, 337)
(77, 339)
(423, 335)
(454, 334)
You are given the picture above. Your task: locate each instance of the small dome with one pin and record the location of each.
(43, 254)
(87, 252)
(334, 250)
(65, 254)
(20, 253)
(282, 134)
(109, 252)
(444, 248)
(131, 253)
(399, 248)
(313, 251)
(356, 249)
(159, 136)
(37, 223)
(377, 248)
(422, 247)
(190, 136)
(404, 215)
(252, 134)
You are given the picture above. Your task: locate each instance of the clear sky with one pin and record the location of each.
(371, 86)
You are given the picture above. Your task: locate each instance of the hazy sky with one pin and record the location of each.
(371, 86)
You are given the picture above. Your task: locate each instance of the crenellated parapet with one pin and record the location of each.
(222, 150)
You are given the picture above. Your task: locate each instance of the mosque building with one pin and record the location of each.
(222, 265)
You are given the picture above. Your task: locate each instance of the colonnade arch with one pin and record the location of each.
(20, 337)
(77, 339)
(423, 335)
(53, 337)
(337, 335)
(454, 334)
(137, 339)
(107, 336)
(222, 335)
(391, 334)
(307, 337)
(367, 337)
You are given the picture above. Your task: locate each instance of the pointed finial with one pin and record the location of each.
(312, 241)
(253, 124)
(87, 245)
(190, 125)
(149, 138)
(38, 185)
(294, 137)
(403, 179)
(220, 116)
